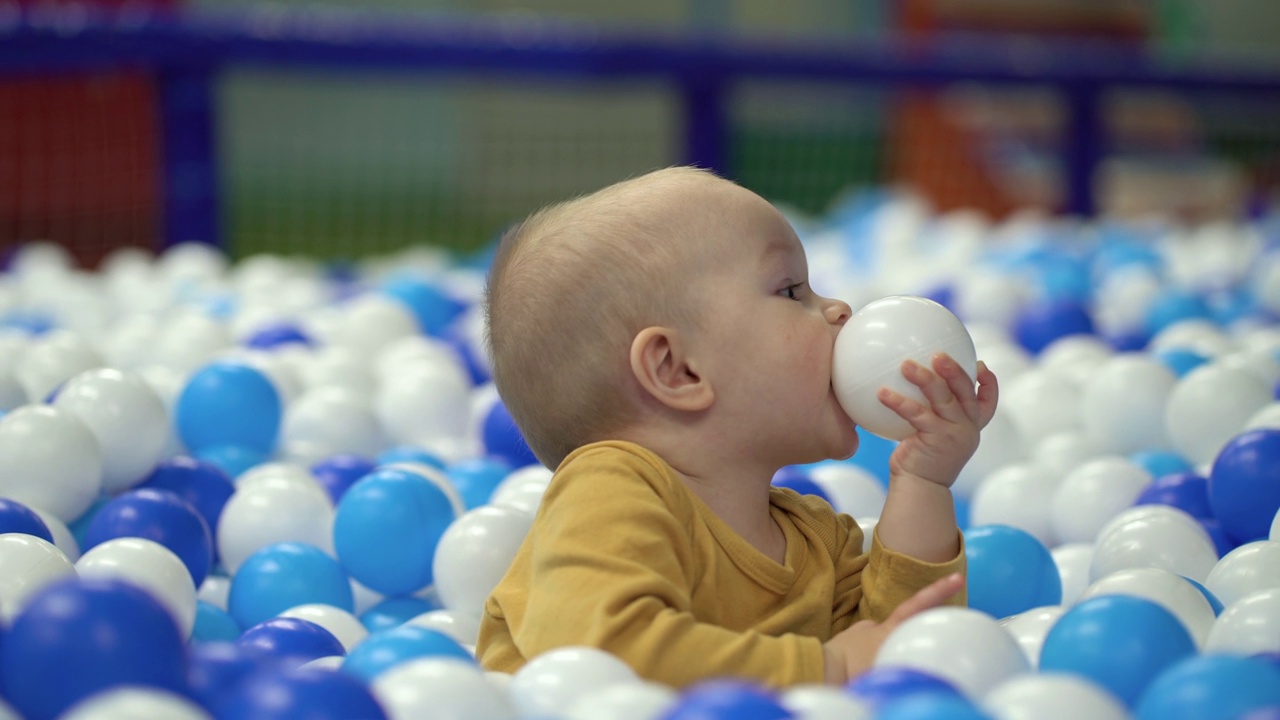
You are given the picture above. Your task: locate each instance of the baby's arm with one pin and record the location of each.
(919, 513)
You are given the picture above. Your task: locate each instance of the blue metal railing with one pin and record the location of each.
(187, 50)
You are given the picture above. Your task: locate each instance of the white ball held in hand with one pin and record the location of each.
(874, 343)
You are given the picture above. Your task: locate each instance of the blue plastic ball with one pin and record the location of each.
(1181, 360)
(1211, 687)
(794, 478)
(228, 404)
(727, 700)
(18, 518)
(277, 334)
(1214, 602)
(213, 624)
(1010, 571)
(78, 636)
(394, 612)
(1037, 326)
(1161, 462)
(932, 707)
(1186, 491)
(410, 454)
(1175, 306)
(433, 308)
(300, 693)
(161, 516)
(1121, 643)
(338, 473)
(385, 649)
(1244, 485)
(963, 511)
(386, 530)
(503, 440)
(1131, 341)
(293, 639)
(233, 460)
(883, 685)
(205, 485)
(476, 479)
(1222, 542)
(477, 367)
(278, 577)
(217, 668)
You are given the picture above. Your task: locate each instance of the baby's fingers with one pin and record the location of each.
(988, 394)
(935, 389)
(960, 383)
(932, 596)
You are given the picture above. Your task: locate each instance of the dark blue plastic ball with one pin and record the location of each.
(727, 700)
(338, 473)
(205, 485)
(306, 693)
(161, 516)
(1039, 325)
(503, 440)
(277, 334)
(18, 518)
(217, 668)
(293, 639)
(881, 686)
(794, 478)
(1244, 485)
(1186, 491)
(78, 636)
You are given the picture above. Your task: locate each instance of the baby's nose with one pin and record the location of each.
(837, 311)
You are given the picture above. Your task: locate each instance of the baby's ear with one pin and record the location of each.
(663, 368)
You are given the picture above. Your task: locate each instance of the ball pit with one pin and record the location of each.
(306, 460)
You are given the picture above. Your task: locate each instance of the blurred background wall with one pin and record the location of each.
(339, 165)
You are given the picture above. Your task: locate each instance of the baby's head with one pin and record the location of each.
(628, 302)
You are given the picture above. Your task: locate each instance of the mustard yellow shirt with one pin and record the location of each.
(624, 557)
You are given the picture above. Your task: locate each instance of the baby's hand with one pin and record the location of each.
(947, 429)
(853, 651)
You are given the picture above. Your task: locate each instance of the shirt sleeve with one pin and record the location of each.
(612, 567)
(869, 586)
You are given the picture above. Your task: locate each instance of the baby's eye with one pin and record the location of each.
(792, 292)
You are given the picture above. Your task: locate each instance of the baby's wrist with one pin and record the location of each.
(903, 478)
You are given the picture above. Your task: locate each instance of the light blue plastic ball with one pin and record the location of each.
(278, 577)
(234, 460)
(1181, 360)
(213, 624)
(1211, 687)
(1175, 306)
(932, 706)
(1010, 571)
(433, 308)
(1120, 642)
(394, 612)
(1161, 462)
(228, 404)
(383, 650)
(387, 527)
(476, 479)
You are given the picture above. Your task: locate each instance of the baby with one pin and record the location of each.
(658, 343)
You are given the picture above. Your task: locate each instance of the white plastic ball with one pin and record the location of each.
(1267, 417)
(423, 404)
(474, 553)
(339, 366)
(1018, 496)
(1094, 493)
(262, 515)
(135, 703)
(1209, 406)
(1154, 536)
(346, 627)
(1123, 406)
(1123, 300)
(49, 459)
(1073, 561)
(821, 702)
(852, 490)
(459, 626)
(27, 565)
(1248, 626)
(129, 343)
(12, 394)
(152, 567)
(279, 475)
(63, 538)
(523, 488)
(51, 361)
(192, 262)
(999, 447)
(1171, 591)
(368, 323)
(1052, 696)
(1057, 455)
(552, 682)
(214, 590)
(328, 662)
(989, 297)
(1007, 361)
(1247, 569)
(127, 417)
(416, 352)
(1030, 627)
(868, 527)
(1041, 404)
(629, 701)
(441, 689)
(1078, 357)
(1275, 528)
(330, 421)
(872, 346)
(364, 598)
(965, 647)
(189, 341)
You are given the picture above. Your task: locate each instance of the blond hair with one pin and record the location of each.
(569, 289)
